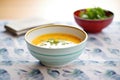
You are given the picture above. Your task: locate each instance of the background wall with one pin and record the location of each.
(56, 10)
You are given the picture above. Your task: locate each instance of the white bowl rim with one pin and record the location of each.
(55, 25)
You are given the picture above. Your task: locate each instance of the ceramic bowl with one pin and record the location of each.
(56, 57)
(93, 26)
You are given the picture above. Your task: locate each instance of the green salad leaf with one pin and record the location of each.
(93, 13)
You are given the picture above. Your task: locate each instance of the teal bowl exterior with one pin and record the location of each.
(67, 55)
(56, 57)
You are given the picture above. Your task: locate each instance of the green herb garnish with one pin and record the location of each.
(43, 44)
(65, 43)
(53, 41)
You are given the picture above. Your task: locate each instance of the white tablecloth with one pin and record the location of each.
(100, 60)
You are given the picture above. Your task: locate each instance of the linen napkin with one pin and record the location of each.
(22, 26)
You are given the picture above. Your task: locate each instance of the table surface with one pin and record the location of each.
(100, 60)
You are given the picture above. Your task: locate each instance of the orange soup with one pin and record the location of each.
(56, 40)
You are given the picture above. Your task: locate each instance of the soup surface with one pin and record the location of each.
(56, 40)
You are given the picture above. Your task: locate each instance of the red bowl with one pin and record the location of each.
(93, 26)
